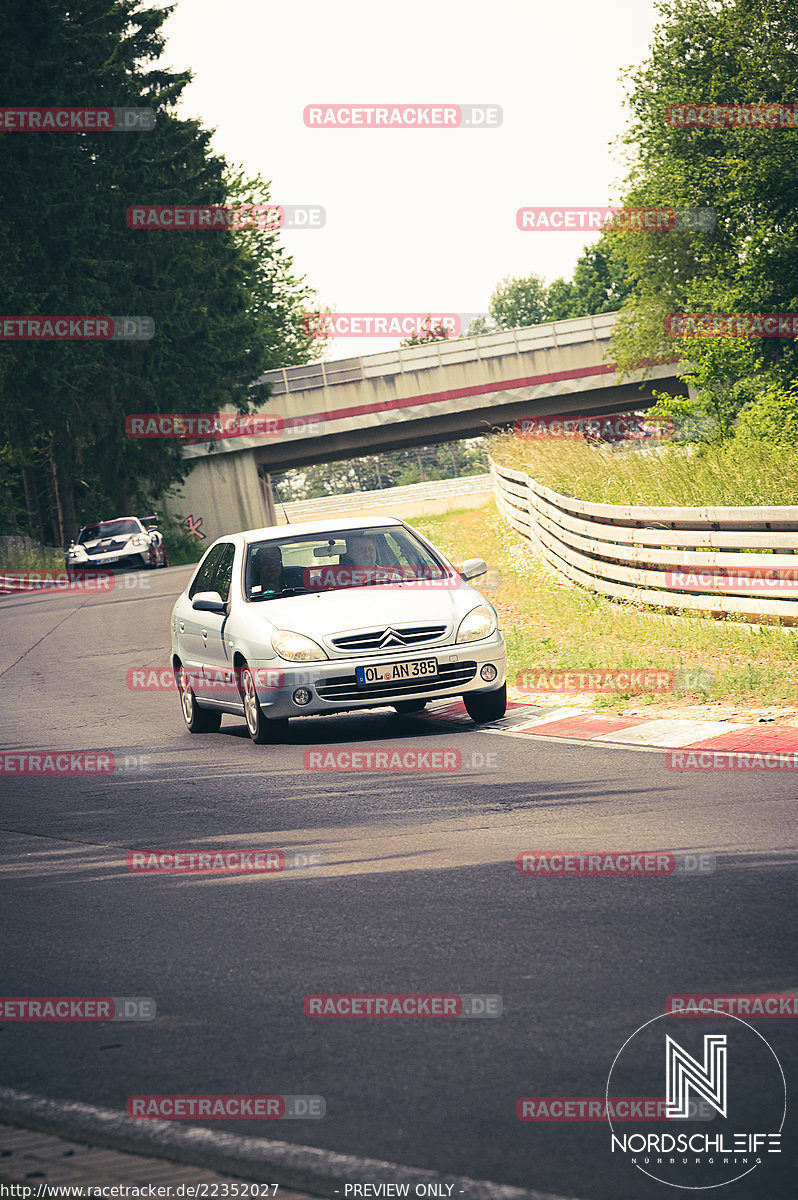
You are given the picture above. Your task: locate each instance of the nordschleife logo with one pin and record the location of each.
(733, 1070)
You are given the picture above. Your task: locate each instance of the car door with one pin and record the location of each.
(218, 682)
(190, 623)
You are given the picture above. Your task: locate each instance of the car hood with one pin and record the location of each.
(117, 540)
(322, 614)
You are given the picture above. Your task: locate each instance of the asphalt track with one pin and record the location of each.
(419, 893)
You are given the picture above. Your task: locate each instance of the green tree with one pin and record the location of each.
(480, 325)
(600, 284)
(278, 300)
(519, 302)
(224, 303)
(703, 52)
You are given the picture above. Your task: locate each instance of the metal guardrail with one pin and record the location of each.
(625, 551)
(440, 354)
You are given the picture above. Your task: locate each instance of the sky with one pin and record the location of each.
(417, 220)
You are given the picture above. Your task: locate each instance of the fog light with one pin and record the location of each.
(489, 672)
(302, 696)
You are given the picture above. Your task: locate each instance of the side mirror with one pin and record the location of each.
(472, 567)
(209, 602)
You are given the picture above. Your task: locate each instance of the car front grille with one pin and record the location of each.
(109, 549)
(345, 687)
(389, 639)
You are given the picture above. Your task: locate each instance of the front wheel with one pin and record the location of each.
(486, 706)
(198, 720)
(261, 730)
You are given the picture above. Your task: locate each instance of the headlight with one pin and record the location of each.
(139, 539)
(480, 623)
(296, 647)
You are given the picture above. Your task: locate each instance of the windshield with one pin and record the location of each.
(324, 562)
(109, 529)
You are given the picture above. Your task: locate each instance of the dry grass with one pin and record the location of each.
(17, 556)
(727, 474)
(552, 624)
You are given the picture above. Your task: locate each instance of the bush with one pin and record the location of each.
(182, 547)
(772, 417)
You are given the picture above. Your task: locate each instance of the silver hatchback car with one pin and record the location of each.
(330, 616)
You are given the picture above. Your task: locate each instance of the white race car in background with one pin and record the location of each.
(123, 542)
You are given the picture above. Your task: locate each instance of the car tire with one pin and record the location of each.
(260, 728)
(486, 706)
(410, 706)
(198, 720)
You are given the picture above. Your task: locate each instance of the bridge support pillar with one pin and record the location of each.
(225, 491)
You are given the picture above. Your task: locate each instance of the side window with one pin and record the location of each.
(224, 571)
(203, 578)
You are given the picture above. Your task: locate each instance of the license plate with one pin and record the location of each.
(426, 668)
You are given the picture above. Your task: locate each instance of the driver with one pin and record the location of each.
(270, 568)
(360, 552)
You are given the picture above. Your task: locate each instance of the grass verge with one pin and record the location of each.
(724, 474)
(550, 624)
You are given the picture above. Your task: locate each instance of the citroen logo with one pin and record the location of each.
(391, 638)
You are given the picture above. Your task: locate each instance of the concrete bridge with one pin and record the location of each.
(437, 392)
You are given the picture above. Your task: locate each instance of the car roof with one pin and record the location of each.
(335, 525)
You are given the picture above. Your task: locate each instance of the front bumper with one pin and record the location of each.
(334, 688)
(126, 558)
